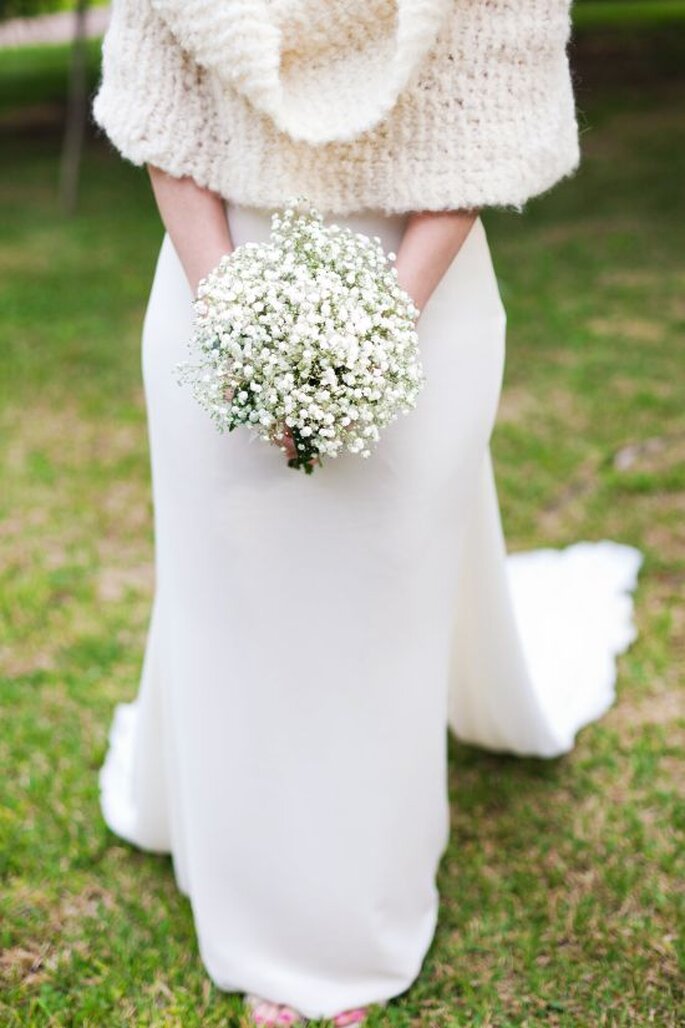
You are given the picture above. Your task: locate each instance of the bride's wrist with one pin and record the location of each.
(198, 269)
(413, 290)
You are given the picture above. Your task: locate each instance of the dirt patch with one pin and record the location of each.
(115, 583)
(638, 330)
(25, 963)
(568, 506)
(629, 278)
(654, 455)
(661, 706)
(515, 406)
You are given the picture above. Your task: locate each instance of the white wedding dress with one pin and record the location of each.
(313, 636)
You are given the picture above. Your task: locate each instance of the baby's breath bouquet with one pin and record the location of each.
(309, 334)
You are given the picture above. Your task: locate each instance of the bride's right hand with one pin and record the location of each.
(430, 242)
(286, 442)
(196, 221)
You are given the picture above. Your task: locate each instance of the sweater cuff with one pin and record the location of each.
(153, 101)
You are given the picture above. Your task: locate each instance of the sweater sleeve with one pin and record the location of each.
(153, 101)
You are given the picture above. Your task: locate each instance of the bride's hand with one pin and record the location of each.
(283, 440)
(195, 219)
(408, 281)
(431, 241)
(286, 442)
(202, 266)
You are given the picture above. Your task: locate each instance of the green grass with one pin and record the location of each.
(38, 75)
(627, 13)
(562, 889)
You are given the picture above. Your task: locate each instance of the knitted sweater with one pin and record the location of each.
(394, 105)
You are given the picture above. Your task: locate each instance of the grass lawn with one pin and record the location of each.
(562, 891)
(622, 13)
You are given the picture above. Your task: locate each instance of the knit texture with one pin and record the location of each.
(393, 105)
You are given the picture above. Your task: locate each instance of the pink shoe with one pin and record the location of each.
(271, 1014)
(356, 1016)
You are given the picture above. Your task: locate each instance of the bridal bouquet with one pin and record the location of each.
(309, 334)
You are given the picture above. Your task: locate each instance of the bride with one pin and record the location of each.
(312, 637)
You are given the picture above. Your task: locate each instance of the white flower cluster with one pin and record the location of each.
(309, 334)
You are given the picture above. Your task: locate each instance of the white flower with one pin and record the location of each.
(309, 330)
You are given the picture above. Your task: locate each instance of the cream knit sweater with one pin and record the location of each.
(395, 105)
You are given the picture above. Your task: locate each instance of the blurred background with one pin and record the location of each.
(563, 898)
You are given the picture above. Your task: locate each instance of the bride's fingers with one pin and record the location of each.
(286, 441)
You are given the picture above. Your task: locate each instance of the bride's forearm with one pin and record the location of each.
(431, 241)
(195, 219)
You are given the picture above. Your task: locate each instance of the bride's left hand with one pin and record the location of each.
(285, 441)
(431, 241)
